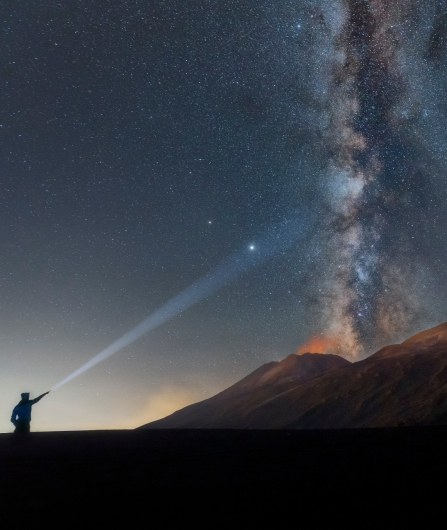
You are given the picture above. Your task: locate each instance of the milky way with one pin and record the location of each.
(377, 182)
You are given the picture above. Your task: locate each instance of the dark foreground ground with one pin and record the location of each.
(246, 479)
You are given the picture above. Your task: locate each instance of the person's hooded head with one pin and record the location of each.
(25, 398)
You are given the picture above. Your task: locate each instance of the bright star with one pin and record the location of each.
(251, 247)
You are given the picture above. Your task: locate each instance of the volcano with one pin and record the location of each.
(400, 385)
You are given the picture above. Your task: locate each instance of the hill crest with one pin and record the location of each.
(401, 384)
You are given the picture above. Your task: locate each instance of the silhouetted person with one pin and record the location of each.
(21, 415)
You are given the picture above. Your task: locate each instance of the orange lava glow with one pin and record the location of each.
(319, 344)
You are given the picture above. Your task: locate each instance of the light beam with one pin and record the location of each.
(277, 239)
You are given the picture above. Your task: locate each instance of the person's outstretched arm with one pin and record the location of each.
(33, 401)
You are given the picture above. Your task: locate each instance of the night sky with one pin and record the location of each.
(144, 142)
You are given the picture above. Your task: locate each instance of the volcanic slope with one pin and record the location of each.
(401, 384)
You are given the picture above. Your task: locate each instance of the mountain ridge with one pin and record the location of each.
(401, 384)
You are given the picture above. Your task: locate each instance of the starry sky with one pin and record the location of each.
(142, 143)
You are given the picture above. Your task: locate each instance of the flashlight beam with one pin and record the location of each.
(275, 241)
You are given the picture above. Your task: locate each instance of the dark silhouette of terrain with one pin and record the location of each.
(400, 385)
(360, 478)
(250, 478)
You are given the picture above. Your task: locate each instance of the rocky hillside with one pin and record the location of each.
(401, 384)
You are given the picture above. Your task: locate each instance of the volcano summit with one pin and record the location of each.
(400, 385)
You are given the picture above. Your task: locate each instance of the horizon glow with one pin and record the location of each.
(277, 239)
